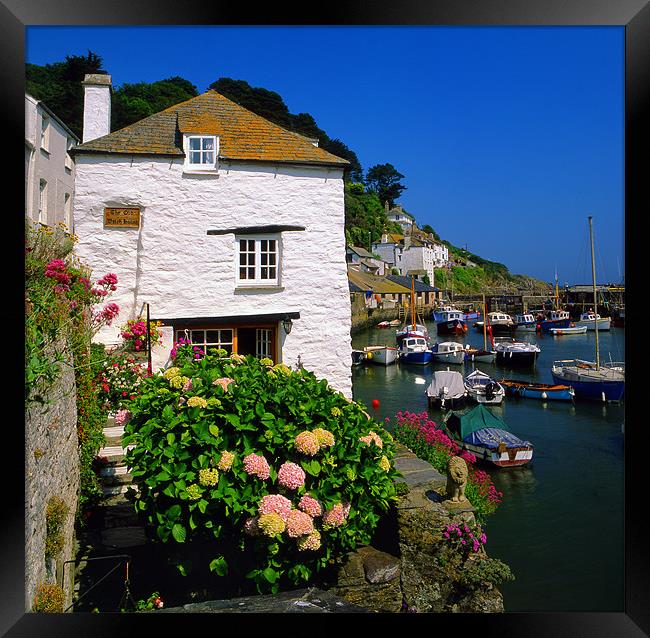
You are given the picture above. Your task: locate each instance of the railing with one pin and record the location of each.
(123, 559)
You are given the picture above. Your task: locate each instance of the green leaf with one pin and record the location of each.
(219, 565)
(171, 437)
(179, 533)
(174, 512)
(214, 430)
(270, 574)
(184, 567)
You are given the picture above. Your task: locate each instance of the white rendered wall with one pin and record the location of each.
(181, 271)
(97, 112)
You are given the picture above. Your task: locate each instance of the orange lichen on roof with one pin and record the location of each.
(243, 135)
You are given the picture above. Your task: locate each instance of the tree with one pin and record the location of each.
(384, 180)
(59, 86)
(354, 173)
(428, 229)
(133, 102)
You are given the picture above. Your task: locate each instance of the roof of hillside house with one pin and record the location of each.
(420, 286)
(243, 135)
(362, 252)
(380, 285)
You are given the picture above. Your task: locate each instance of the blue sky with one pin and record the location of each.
(508, 137)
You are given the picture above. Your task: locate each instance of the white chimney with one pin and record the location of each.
(97, 106)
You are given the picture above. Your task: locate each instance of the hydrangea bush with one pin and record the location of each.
(273, 468)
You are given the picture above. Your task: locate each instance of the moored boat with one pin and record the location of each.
(415, 350)
(450, 321)
(497, 323)
(446, 390)
(571, 330)
(553, 319)
(448, 352)
(358, 357)
(542, 391)
(516, 353)
(525, 323)
(381, 355)
(487, 437)
(479, 355)
(483, 389)
(589, 320)
(591, 379)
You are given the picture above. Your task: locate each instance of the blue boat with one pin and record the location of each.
(541, 391)
(450, 321)
(415, 350)
(556, 319)
(590, 380)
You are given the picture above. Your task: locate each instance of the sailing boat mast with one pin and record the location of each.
(593, 275)
(557, 292)
(413, 302)
(484, 324)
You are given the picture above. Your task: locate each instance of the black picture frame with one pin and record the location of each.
(634, 15)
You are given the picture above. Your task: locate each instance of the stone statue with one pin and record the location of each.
(456, 479)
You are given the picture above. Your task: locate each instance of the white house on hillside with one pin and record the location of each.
(49, 169)
(229, 226)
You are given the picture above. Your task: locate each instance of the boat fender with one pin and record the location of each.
(602, 394)
(369, 355)
(544, 395)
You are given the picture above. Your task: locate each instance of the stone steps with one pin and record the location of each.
(114, 475)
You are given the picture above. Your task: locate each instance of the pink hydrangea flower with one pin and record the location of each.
(225, 461)
(188, 385)
(256, 465)
(275, 503)
(309, 543)
(372, 437)
(310, 505)
(335, 517)
(223, 383)
(307, 443)
(299, 523)
(122, 417)
(291, 475)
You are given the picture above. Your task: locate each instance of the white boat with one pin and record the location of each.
(481, 355)
(415, 350)
(571, 330)
(447, 390)
(525, 323)
(381, 355)
(484, 389)
(516, 353)
(412, 328)
(589, 320)
(498, 324)
(448, 352)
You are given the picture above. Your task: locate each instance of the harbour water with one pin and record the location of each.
(560, 525)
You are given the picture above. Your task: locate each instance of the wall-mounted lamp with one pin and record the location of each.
(287, 324)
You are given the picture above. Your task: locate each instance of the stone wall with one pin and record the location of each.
(51, 469)
(401, 571)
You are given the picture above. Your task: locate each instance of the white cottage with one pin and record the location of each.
(231, 228)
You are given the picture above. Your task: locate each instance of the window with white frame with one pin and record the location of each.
(45, 132)
(208, 338)
(42, 202)
(258, 260)
(201, 152)
(68, 159)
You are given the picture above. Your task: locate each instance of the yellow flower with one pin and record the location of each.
(194, 492)
(384, 463)
(194, 402)
(271, 524)
(171, 372)
(208, 477)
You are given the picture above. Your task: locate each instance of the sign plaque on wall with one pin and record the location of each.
(122, 218)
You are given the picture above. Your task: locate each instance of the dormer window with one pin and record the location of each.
(201, 152)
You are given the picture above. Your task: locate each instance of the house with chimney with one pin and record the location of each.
(49, 169)
(229, 228)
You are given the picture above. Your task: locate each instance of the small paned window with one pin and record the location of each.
(258, 260)
(204, 339)
(201, 152)
(42, 202)
(45, 132)
(67, 210)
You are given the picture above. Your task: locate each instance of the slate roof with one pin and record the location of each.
(380, 285)
(243, 135)
(362, 252)
(420, 286)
